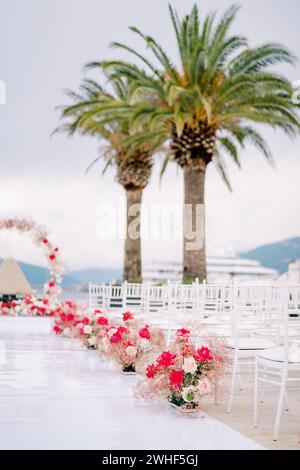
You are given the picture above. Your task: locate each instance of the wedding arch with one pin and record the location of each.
(52, 288)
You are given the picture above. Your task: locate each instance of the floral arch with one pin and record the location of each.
(39, 236)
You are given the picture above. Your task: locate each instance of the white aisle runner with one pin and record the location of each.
(54, 395)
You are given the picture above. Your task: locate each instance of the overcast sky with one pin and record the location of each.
(43, 46)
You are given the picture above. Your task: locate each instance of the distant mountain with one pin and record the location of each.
(96, 275)
(37, 276)
(276, 255)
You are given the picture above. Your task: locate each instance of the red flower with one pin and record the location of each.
(97, 311)
(45, 241)
(183, 332)
(116, 338)
(176, 378)
(122, 329)
(13, 304)
(63, 317)
(51, 284)
(56, 250)
(125, 345)
(70, 317)
(203, 354)
(52, 257)
(145, 333)
(166, 359)
(127, 316)
(151, 370)
(102, 321)
(85, 320)
(56, 329)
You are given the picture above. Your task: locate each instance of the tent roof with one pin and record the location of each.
(12, 279)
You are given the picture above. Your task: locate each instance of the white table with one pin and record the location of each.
(54, 395)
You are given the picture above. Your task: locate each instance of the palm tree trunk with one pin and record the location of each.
(132, 258)
(194, 262)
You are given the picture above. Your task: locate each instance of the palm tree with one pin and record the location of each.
(208, 104)
(106, 115)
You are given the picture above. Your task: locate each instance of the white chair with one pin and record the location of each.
(155, 305)
(279, 366)
(132, 297)
(255, 328)
(99, 296)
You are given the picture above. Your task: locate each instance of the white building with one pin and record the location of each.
(292, 276)
(219, 269)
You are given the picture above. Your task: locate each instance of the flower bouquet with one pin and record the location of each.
(129, 342)
(66, 317)
(91, 329)
(31, 305)
(184, 374)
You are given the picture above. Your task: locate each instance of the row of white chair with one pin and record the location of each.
(261, 324)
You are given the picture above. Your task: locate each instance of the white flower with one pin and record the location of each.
(204, 387)
(111, 332)
(92, 341)
(87, 329)
(67, 332)
(189, 365)
(189, 393)
(144, 343)
(17, 309)
(131, 351)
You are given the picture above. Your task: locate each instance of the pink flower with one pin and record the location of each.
(102, 321)
(166, 359)
(131, 351)
(116, 338)
(203, 354)
(145, 333)
(127, 316)
(176, 378)
(204, 387)
(151, 370)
